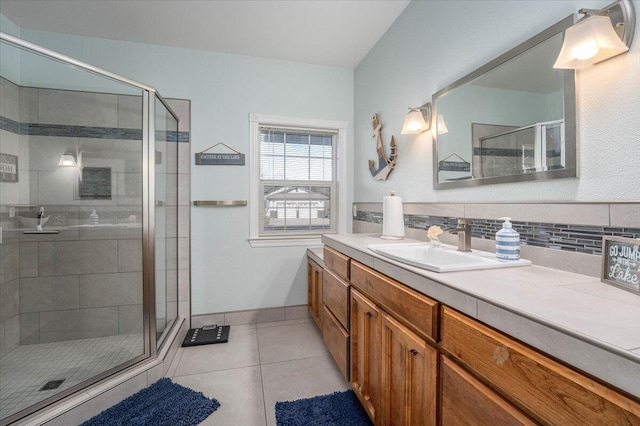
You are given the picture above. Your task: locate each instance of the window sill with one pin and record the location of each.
(307, 241)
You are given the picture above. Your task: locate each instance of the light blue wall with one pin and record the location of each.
(227, 274)
(434, 43)
(8, 26)
(9, 57)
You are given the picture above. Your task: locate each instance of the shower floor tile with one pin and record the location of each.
(26, 369)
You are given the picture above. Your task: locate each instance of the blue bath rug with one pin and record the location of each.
(336, 409)
(163, 403)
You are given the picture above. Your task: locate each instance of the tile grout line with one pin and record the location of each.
(264, 399)
(294, 359)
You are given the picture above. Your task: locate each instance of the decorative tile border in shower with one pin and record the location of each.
(575, 238)
(63, 130)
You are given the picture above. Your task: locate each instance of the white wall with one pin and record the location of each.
(227, 274)
(434, 43)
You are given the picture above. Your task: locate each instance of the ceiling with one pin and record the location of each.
(325, 32)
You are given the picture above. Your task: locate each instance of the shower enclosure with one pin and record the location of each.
(88, 225)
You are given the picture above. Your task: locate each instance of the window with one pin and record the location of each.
(295, 185)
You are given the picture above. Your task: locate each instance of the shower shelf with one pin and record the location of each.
(220, 203)
(41, 232)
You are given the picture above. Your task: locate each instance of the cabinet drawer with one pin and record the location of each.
(414, 309)
(337, 262)
(466, 401)
(337, 341)
(335, 295)
(547, 390)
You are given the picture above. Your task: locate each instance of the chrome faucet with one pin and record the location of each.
(40, 216)
(464, 234)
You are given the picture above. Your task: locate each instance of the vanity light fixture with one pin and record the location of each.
(67, 160)
(598, 36)
(417, 120)
(441, 126)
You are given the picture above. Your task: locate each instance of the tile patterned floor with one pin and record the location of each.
(260, 365)
(27, 368)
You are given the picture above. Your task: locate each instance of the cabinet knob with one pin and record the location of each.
(413, 352)
(369, 314)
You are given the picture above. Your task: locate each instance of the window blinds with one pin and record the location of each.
(297, 181)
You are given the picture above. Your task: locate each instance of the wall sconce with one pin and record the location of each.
(442, 128)
(598, 36)
(67, 160)
(417, 120)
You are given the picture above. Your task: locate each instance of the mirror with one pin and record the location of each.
(510, 120)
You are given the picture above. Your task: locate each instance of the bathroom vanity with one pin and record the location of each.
(526, 345)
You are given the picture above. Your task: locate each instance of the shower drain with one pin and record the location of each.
(52, 384)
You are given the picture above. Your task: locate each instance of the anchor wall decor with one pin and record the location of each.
(385, 164)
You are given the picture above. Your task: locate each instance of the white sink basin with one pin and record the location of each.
(442, 259)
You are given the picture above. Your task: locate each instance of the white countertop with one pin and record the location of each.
(576, 318)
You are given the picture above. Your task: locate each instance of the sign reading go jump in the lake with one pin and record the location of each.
(621, 262)
(233, 158)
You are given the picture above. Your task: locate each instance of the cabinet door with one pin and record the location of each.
(314, 291)
(466, 401)
(409, 371)
(365, 352)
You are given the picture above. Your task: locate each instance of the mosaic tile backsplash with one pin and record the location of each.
(575, 238)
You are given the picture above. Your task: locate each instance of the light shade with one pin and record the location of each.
(417, 120)
(67, 160)
(588, 42)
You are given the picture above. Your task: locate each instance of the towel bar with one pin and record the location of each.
(224, 203)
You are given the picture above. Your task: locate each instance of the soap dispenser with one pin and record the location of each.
(93, 218)
(507, 242)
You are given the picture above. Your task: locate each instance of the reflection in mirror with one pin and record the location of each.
(511, 120)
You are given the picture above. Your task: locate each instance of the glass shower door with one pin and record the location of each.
(71, 210)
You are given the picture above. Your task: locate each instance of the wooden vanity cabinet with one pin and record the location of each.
(314, 291)
(466, 401)
(545, 389)
(413, 361)
(415, 310)
(393, 368)
(336, 338)
(335, 320)
(328, 303)
(366, 323)
(335, 296)
(409, 377)
(337, 262)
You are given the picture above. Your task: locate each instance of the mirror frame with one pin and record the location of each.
(570, 169)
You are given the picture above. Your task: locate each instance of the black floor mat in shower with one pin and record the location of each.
(207, 335)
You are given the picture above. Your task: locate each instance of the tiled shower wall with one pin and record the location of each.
(565, 236)
(84, 282)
